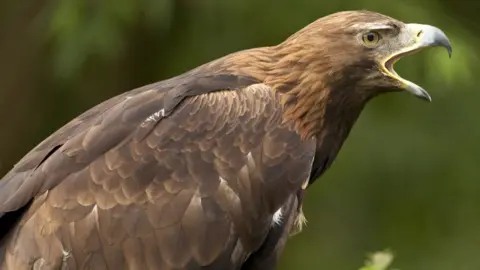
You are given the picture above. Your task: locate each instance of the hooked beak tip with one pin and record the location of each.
(431, 36)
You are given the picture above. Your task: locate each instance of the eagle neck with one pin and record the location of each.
(315, 96)
(314, 93)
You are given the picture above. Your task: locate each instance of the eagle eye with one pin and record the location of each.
(371, 38)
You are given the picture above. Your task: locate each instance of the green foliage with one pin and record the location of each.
(84, 28)
(81, 29)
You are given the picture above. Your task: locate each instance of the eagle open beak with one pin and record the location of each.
(425, 36)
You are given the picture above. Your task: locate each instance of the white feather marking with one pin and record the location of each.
(223, 180)
(94, 214)
(66, 254)
(154, 117)
(277, 217)
(250, 157)
(95, 210)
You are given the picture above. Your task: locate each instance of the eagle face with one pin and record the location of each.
(387, 42)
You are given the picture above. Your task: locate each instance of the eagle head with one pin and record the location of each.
(356, 51)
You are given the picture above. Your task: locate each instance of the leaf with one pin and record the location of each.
(378, 261)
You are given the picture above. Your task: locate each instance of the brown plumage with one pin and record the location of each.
(206, 170)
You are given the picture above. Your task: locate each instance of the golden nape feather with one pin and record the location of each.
(206, 170)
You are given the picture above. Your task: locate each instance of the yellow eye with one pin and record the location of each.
(371, 39)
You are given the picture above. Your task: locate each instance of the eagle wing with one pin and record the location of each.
(181, 174)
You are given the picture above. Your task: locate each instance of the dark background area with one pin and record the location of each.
(407, 178)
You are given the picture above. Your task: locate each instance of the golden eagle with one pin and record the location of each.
(206, 170)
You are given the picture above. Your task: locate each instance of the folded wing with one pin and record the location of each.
(177, 175)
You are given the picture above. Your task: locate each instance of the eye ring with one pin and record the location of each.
(371, 38)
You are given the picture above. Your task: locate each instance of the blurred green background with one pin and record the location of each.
(407, 179)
